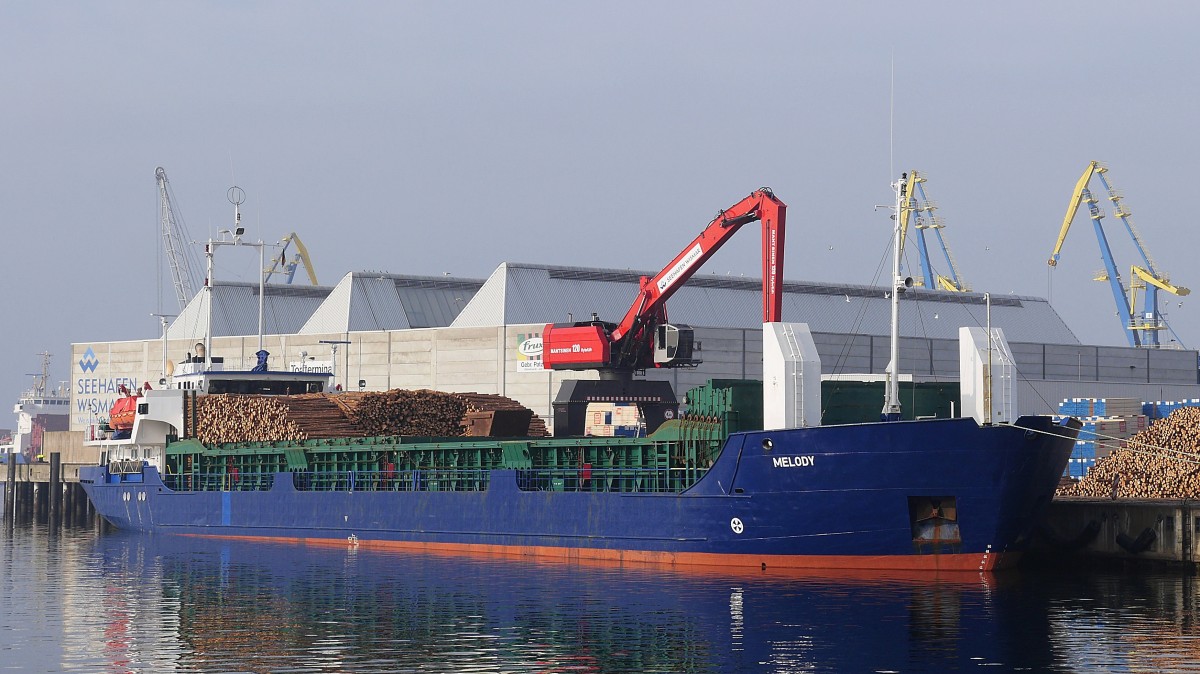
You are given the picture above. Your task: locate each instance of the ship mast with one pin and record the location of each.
(236, 197)
(41, 382)
(891, 396)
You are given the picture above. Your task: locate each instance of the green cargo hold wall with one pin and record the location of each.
(852, 402)
(842, 402)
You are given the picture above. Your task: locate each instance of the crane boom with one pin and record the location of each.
(760, 205)
(1149, 277)
(628, 345)
(289, 266)
(1072, 207)
(174, 235)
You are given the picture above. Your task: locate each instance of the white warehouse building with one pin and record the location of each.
(452, 334)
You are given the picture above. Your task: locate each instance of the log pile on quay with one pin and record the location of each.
(425, 413)
(1161, 462)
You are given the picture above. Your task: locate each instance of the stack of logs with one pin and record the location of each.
(1162, 461)
(236, 418)
(400, 412)
(487, 402)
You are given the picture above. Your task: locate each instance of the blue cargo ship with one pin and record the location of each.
(720, 486)
(947, 494)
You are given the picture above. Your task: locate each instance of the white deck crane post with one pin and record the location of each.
(175, 237)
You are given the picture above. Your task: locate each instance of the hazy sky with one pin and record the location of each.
(429, 137)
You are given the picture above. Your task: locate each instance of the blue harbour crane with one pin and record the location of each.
(1142, 327)
(919, 211)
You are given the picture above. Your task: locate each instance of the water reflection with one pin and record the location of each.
(83, 600)
(229, 605)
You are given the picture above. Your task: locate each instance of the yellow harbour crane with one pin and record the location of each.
(282, 265)
(919, 211)
(1142, 326)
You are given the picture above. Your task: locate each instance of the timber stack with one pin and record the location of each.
(504, 417)
(399, 412)
(225, 418)
(1161, 462)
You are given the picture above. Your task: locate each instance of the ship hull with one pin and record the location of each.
(844, 497)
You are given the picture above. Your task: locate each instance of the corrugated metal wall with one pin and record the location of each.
(489, 360)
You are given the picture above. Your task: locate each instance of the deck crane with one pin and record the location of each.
(921, 209)
(643, 338)
(282, 265)
(175, 237)
(1141, 329)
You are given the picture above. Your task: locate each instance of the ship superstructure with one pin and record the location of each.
(42, 407)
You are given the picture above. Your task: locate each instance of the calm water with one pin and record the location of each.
(84, 601)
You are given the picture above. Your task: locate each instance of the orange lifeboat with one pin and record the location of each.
(120, 418)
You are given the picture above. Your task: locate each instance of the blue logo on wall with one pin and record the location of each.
(89, 361)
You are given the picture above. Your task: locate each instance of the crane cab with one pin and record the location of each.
(675, 346)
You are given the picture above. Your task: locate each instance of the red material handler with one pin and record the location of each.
(630, 344)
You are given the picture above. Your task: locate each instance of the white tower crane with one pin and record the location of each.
(175, 237)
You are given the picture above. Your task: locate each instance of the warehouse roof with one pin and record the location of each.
(361, 301)
(527, 293)
(235, 310)
(364, 301)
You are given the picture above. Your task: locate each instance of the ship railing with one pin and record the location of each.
(644, 480)
(232, 481)
(575, 479)
(424, 479)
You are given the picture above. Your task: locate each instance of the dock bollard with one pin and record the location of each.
(10, 487)
(54, 493)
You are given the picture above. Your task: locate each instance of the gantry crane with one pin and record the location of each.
(175, 236)
(289, 266)
(1141, 328)
(921, 210)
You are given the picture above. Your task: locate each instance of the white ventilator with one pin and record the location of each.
(791, 377)
(987, 376)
